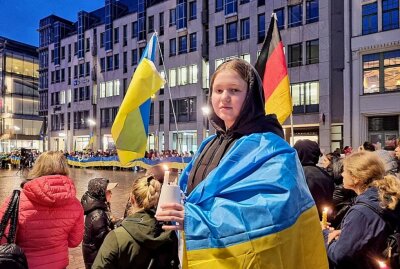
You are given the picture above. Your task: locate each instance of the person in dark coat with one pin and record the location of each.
(140, 242)
(98, 223)
(362, 236)
(319, 182)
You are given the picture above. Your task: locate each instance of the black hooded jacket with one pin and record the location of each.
(251, 119)
(97, 221)
(319, 182)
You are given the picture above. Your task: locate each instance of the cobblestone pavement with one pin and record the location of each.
(10, 179)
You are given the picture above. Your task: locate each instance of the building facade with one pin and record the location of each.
(372, 74)
(20, 123)
(86, 66)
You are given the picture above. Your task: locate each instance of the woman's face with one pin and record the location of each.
(325, 162)
(348, 180)
(229, 91)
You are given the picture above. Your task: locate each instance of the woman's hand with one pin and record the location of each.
(171, 212)
(333, 235)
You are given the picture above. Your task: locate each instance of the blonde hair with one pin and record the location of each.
(370, 170)
(49, 163)
(146, 191)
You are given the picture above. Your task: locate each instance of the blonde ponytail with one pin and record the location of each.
(146, 191)
(388, 190)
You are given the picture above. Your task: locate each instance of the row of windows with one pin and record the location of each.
(109, 63)
(381, 72)
(183, 75)
(109, 88)
(81, 70)
(295, 53)
(63, 53)
(107, 116)
(183, 44)
(389, 16)
(305, 97)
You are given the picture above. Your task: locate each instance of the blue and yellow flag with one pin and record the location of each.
(254, 211)
(130, 127)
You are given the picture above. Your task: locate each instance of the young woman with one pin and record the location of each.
(247, 201)
(362, 235)
(50, 217)
(140, 241)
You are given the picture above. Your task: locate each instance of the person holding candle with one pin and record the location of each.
(362, 237)
(247, 201)
(140, 242)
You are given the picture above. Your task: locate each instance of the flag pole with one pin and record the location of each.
(291, 130)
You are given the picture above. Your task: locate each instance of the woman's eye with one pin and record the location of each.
(218, 90)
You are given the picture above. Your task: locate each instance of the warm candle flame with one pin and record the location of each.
(326, 209)
(165, 167)
(382, 264)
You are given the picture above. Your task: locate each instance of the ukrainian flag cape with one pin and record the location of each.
(254, 210)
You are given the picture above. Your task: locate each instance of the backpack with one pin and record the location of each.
(11, 255)
(391, 253)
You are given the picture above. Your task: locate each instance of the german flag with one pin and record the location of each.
(271, 66)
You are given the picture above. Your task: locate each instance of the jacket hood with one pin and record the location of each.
(97, 188)
(143, 226)
(252, 118)
(90, 203)
(370, 196)
(308, 152)
(53, 190)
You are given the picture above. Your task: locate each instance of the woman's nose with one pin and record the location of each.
(225, 96)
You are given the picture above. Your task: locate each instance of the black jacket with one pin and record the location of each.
(319, 182)
(97, 226)
(251, 119)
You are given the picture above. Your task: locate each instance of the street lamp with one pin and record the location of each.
(16, 129)
(206, 112)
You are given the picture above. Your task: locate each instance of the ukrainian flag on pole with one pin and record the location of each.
(130, 127)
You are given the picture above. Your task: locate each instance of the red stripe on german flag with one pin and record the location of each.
(271, 66)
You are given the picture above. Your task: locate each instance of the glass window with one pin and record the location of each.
(260, 3)
(134, 59)
(181, 14)
(261, 28)
(230, 7)
(182, 75)
(182, 44)
(193, 42)
(219, 35)
(305, 97)
(161, 21)
(134, 29)
(295, 15)
(370, 18)
(391, 70)
(218, 62)
(312, 48)
(116, 35)
(246, 57)
(295, 55)
(390, 14)
(102, 89)
(219, 5)
(192, 10)
(109, 63)
(116, 87)
(312, 12)
(172, 17)
(151, 24)
(172, 47)
(172, 77)
(231, 32)
(244, 28)
(109, 88)
(193, 74)
(116, 61)
(280, 16)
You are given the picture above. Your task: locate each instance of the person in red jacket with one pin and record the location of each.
(50, 216)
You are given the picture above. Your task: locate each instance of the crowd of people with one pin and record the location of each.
(249, 200)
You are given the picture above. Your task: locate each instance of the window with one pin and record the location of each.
(125, 62)
(116, 35)
(370, 18)
(219, 35)
(381, 72)
(231, 32)
(280, 15)
(125, 35)
(109, 63)
(62, 53)
(193, 42)
(244, 2)
(193, 74)
(261, 28)
(182, 44)
(244, 28)
(172, 47)
(312, 50)
(219, 5)
(102, 64)
(192, 10)
(172, 77)
(295, 55)
(151, 24)
(102, 40)
(172, 17)
(260, 3)
(134, 29)
(390, 14)
(181, 14)
(312, 12)
(116, 61)
(161, 112)
(87, 69)
(185, 109)
(305, 97)
(161, 21)
(246, 57)
(182, 75)
(87, 44)
(81, 70)
(384, 131)
(134, 59)
(109, 88)
(295, 15)
(230, 7)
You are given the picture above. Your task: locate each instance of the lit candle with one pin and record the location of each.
(166, 174)
(325, 217)
(382, 265)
